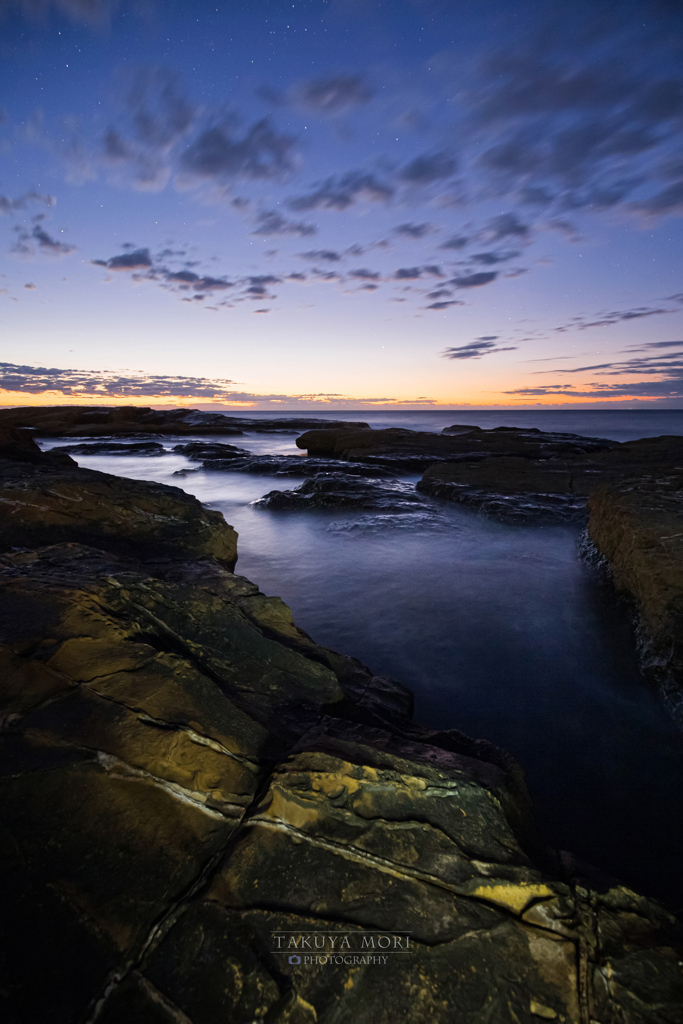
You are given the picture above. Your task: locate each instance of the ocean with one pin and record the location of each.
(502, 631)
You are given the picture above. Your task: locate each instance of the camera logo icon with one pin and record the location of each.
(295, 959)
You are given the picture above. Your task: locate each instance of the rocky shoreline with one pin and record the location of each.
(188, 778)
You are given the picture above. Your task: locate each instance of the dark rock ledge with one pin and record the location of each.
(134, 420)
(185, 772)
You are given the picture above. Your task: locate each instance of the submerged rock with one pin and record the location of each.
(340, 490)
(206, 816)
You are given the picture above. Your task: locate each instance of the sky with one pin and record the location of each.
(329, 204)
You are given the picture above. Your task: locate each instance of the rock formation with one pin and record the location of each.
(122, 421)
(340, 490)
(637, 525)
(208, 817)
(45, 499)
(412, 451)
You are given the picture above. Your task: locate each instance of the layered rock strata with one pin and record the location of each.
(45, 498)
(208, 817)
(637, 525)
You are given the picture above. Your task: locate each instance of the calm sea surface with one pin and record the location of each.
(501, 631)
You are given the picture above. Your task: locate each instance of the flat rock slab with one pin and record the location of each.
(412, 451)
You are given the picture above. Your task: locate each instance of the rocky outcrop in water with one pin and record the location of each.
(225, 458)
(340, 490)
(121, 421)
(412, 451)
(205, 816)
(45, 498)
(555, 489)
(114, 448)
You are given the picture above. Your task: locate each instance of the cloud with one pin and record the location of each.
(110, 385)
(582, 323)
(197, 283)
(427, 168)
(331, 95)
(579, 112)
(24, 242)
(669, 200)
(505, 225)
(490, 258)
(140, 259)
(37, 380)
(8, 206)
(95, 14)
(474, 280)
(660, 363)
(338, 193)
(413, 273)
(30, 287)
(445, 305)
(52, 245)
(272, 223)
(321, 254)
(364, 274)
(414, 230)
(476, 349)
(456, 242)
(260, 154)
(440, 293)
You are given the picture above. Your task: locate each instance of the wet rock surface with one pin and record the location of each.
(230, 459)
(554, 489)
(46, 498)
(412, 451)
(340, 490)
(113, 421)
(194, 795)
(114, 448)
(637, 525)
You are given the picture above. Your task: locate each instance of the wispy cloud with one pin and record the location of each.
(484, 346)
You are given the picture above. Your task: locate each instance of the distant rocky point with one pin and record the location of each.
(122, 421)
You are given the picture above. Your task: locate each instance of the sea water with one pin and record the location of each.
(503, 632)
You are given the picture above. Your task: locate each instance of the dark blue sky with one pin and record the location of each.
(346, 202)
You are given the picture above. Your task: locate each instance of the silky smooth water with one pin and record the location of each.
(501, 631)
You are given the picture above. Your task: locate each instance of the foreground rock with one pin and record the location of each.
(46, 498)
(637, 525)
(194, 796)
(412, 451)
(121, 421)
